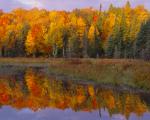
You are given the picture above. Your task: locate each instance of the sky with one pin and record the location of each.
(8, 113)
(8, 5)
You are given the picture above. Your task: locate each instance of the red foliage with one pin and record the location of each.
(95, 18)
(4, 98)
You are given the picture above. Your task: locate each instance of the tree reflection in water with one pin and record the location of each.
(36, 89)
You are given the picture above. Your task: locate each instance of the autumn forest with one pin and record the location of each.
(113, 33)
(65, 60)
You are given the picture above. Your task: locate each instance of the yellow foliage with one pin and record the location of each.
(81, 26)
(93, 32)
(91, 91)
(30, 44)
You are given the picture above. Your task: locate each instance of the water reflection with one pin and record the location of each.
(35, 93)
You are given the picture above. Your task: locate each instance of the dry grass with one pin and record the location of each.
(134, 73)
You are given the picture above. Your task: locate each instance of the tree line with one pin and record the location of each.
(113, 33)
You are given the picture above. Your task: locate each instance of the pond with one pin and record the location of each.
(36, 93)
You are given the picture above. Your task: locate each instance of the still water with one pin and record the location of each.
(36, 93)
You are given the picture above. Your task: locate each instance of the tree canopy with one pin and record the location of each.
(115, 33)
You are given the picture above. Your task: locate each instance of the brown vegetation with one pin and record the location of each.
(134, 73)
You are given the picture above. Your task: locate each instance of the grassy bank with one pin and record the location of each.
(133, 73)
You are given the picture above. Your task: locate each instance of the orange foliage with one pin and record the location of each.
(43, 91)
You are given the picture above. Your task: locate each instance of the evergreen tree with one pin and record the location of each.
(128, 5)
(119, 44)
(21, 38)
(128, 49)
(111, 7)
(147, 50)
(110, 47)
(142, 42)
(85, 45)
(119, 39)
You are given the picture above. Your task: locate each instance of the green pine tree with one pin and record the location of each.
(110, 47)
(142, 42)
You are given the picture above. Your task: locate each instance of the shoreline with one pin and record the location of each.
(122, 73)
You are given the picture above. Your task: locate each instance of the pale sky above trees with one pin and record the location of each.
(8, 5)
